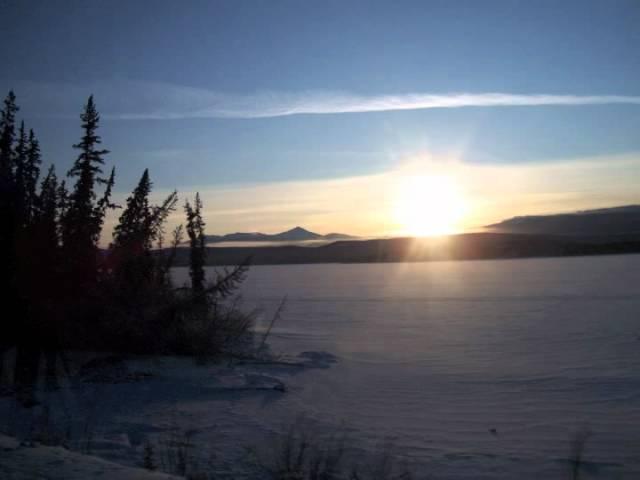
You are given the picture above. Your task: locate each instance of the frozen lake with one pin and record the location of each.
(436, 355)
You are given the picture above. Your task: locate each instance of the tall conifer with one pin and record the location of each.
(195, 231)
(7, 137)
(83, 214)
(19, 171)
(8, 230)
(32, 175)
(132, 229)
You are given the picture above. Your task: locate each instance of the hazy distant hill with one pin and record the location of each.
(605, 221)
(473, 246)
(590, 232)
(297, 234)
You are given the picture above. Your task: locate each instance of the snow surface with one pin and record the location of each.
(474, 370)
(436, 355)
(32, 461)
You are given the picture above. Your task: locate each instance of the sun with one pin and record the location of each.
(429, 205)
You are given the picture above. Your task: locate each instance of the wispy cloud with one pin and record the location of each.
(282, 104)
(159, 101)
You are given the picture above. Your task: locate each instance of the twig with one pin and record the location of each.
(275, 317)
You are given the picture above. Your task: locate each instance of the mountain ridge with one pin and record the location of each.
(622, 220)
(468, 246)
(296, 234)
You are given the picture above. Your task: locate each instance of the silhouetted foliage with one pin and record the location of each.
(31, 175)
(46, 210)
(20, 176)
(66, 292)
(176, 240)
(7, 135)
(105, 203)
(197, 252)
(137, 280)
(82, 222)
(8, 230)
(132, 230)
(228, 280)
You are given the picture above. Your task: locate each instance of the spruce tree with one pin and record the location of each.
(104, 204)
(141, 224)
(132, 231)
(32, 175)
(8, 324)
(83, 214)
(46, 211)
(197, 252)
(47, 272)
(135, 269)
(7, 136)
(44, 238)
(159, 215)
(7, 181)
(19, 171)
(63, 206)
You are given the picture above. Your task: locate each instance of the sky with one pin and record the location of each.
(369, 118)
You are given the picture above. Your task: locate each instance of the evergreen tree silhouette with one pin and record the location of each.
(197, 252)
(104, 204)
(133, 229)
(8, 287)
(46, 272)
(130, 252)
(29, 333)
(46, 210)
(7, 184)
(53, 276)
(63, 206)
(32, 175)
(7, 136)
(135, 270)
(83, 214)
(140, 224)
(20, 166)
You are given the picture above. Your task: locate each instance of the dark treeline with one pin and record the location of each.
(63, 292)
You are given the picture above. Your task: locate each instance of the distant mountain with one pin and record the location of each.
(297, 234)
(623, 220)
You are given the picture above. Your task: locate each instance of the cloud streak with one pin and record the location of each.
(360, 104)
(136, 100)
(266, 105)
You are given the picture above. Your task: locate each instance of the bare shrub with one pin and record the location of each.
(302, 455)
(47, 430)
(578, 446)
(176, 452)
(382, 465)
(148, 459)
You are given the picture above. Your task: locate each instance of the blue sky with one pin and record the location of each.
(198, 91)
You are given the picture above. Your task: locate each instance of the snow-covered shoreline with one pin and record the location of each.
(118, 409)
(29, 461)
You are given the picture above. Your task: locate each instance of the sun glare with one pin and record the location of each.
(429, 205)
